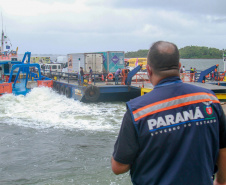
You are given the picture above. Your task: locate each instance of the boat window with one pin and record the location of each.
(13, 59)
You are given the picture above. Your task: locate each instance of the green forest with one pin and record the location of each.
(187, 52)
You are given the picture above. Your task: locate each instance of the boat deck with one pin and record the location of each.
(109, 91)
(210, 86)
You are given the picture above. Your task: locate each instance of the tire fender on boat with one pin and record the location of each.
(58, 88)
(92, 93)
(54, 86)
(68, 92)
(62, 90)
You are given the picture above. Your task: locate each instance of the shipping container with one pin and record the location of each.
(100, 62)
(133, 62)
(40, 60)
(85, 60)
(95, 61)
(112, 60)
(75, 61)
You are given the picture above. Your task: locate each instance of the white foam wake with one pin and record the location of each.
(43, 108)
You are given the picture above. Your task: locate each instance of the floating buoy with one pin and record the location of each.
(58, 88)
(62, 90)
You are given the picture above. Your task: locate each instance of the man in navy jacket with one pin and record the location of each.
(175, 134)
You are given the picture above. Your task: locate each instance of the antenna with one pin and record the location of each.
(2, 21)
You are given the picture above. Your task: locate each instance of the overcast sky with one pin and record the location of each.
(74, 26)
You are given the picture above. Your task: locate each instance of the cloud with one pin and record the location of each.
(97, 25)
(208, 7)
(36, 7)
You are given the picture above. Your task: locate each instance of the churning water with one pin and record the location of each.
(47, 138)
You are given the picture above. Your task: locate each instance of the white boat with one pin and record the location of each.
(6, 55)
(6, 52)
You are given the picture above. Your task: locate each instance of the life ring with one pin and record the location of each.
(68, 92)
(58, 88)
(92, 93)
(110, 76)
(62, 90)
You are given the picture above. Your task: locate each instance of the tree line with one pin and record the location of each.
(187, 52)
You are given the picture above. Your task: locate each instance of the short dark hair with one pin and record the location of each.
(163, 56)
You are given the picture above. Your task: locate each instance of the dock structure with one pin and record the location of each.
(218, 88)
(108, 92)
(99, 90)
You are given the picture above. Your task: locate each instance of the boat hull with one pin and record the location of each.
(101, 93)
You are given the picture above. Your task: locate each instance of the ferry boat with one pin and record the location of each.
(18, 77)
(97, 90)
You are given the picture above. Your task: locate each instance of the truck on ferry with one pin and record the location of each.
(133, 62)
(100, 62)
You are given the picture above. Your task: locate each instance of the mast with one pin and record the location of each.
(2, 43)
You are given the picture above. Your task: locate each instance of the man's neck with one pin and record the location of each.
(156, 79)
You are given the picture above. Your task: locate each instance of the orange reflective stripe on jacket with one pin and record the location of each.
(172, 103)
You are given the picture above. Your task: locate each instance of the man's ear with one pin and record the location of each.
(149, 70)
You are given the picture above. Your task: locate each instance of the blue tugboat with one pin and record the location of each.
(20, 77)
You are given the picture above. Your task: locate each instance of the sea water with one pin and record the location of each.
(47, 138)
(202, 64)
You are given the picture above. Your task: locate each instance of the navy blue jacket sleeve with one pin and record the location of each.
(126, 146)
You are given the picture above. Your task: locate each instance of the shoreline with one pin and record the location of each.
(200, 58)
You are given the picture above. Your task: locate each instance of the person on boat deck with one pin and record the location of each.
(81, 75)
(216, 74)
(90, 72)
(175, 134)
(184, 71)
(117, 74)
(191, 74)
(195, 72)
